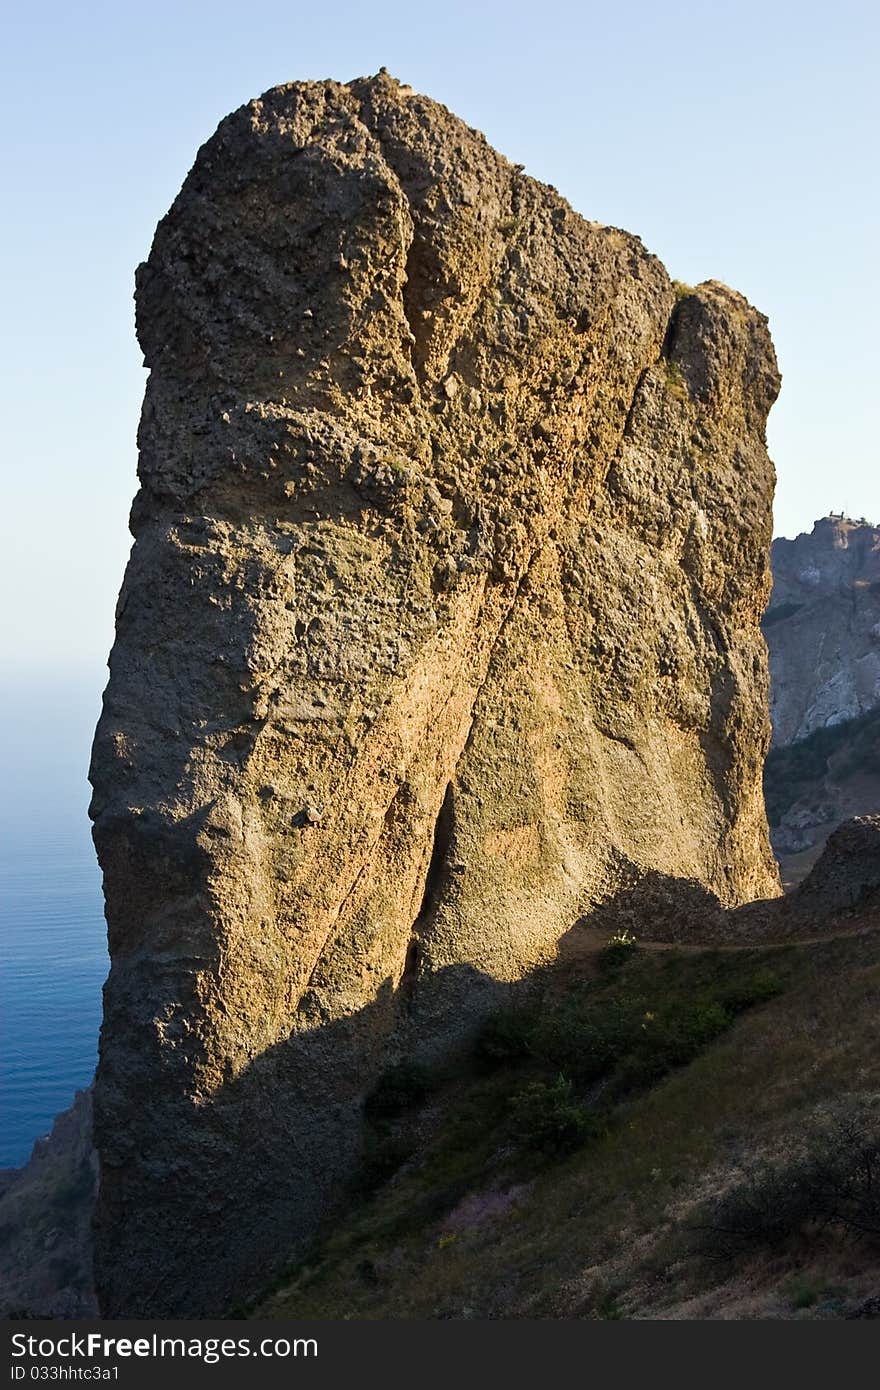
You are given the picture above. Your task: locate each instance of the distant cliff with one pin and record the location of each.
(823, 633)
(823, 627)
(440, 625)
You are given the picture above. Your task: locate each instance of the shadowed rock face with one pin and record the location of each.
(441, 622)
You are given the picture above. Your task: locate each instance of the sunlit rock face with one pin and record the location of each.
(441, 622)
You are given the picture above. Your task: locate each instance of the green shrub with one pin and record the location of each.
(625, 1038)
(686, 1032)
(506, 1037)
(398, 1089)
(548, 1117)
(621, 947)
(585, 1037)
(675, 382)
(805, 1292)
(669, 1038)
(627, 1031)
(602, 1299)
(757, 989)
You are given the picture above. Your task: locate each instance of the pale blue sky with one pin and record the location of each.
(738, 140)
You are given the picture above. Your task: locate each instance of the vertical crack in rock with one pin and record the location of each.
(439, 862)
(435, 881)
(421, 273)
(535, 574)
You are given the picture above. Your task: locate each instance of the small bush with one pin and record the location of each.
(624, 1033)
(508, 226)
(805, 1292)
(602, 1301)
(400, 1088)
(585, 1038)
(627, 1040)
(671, 1038)
(506, 1037)
(547, 1116)
(832, 1179)
(760, 987)
(688, 1032)
(675, 382)
(620, 948)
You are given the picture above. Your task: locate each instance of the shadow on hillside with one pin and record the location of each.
(231, 1188)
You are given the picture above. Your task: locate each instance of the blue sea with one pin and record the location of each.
(53, 954)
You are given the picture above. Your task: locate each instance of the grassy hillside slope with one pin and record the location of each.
(657, 1132)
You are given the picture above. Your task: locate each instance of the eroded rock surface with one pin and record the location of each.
(442, 621)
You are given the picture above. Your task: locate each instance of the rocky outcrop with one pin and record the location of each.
(46, 1210)
(823, 627)
(847, 874)
(441, 622)
(842, 883)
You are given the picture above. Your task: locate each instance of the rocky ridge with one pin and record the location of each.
(823, 627)
(441, 623)
(46, 1209)
(823, 634)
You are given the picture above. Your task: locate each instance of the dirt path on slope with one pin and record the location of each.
(582, 943)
